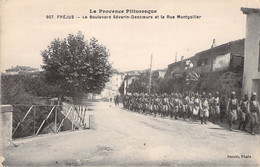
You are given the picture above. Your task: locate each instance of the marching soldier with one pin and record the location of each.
(223, 108)
(196, 107)
(160, 105)
(146, 101)
(152, 107)
(243, 113)
(171, 104)
(254, 110)
(190, 106)
(156, 104)
(165, 104)
(232, 108)
(204, 113)
(176, 104)
(210, 101)
(185, 106)
(216, 108)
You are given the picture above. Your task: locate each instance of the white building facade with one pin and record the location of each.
(251, 75)
(111, 88)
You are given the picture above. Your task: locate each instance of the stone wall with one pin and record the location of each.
(6, 116)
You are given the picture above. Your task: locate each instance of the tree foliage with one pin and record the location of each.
(223, 82)
(76, 65)
(22, 89)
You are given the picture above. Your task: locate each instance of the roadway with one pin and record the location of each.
(123, 137)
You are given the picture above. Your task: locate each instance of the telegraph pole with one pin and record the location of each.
(150, 79)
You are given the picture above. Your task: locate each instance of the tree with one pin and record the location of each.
(141, 85)
(76, 65)
(23, 89)
(121, 88)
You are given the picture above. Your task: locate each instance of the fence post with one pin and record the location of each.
(6, 118)
(34, 116)
(55, 123)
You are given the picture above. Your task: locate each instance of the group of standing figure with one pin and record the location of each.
(197, 106)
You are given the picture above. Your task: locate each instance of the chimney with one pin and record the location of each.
(182, 57)
(176, 57)
(213, 43)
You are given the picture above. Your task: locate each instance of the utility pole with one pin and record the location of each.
(150, 79)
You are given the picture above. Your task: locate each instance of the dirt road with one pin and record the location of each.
(125, 138)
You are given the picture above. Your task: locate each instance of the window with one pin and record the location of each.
(199, 62)
(202, 62)
(206, 61)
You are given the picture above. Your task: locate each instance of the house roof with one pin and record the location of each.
(219, 49)
(250, 10)
(17, 68)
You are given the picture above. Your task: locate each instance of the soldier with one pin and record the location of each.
(146, 103)
(223, 108)
(180, 109)
(210, 101)
(152, 108)
(196, 107)
(132, 102)
(176, 106)
(185, 105)
(124, 101)
(140, 103)
(190, 106)
(165, 104)
(254, 110)
(215, 108)
(243, 113)
(171, 104)
(232, 108)
(204, 113)
(156, 104)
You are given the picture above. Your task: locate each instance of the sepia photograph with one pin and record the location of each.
(130, 83)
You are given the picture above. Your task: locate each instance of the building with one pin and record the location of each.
(228, 56)
(251, 76)
(21, 70)
(133, 72)
(161, 72)
(111, 88)
(128, 80)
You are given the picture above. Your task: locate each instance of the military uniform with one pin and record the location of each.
(176, 108)
(232, 108)
(254, 110)
(215, 108)
(185, 106)
(196, 108)
(165, 107)
(204, 114)
(243, 113)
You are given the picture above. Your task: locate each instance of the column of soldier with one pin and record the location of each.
(197, 106)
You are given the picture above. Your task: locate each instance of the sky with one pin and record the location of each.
(25, 31)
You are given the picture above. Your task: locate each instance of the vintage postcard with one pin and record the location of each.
(130, 83)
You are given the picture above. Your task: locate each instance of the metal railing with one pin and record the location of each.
(34, 120)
